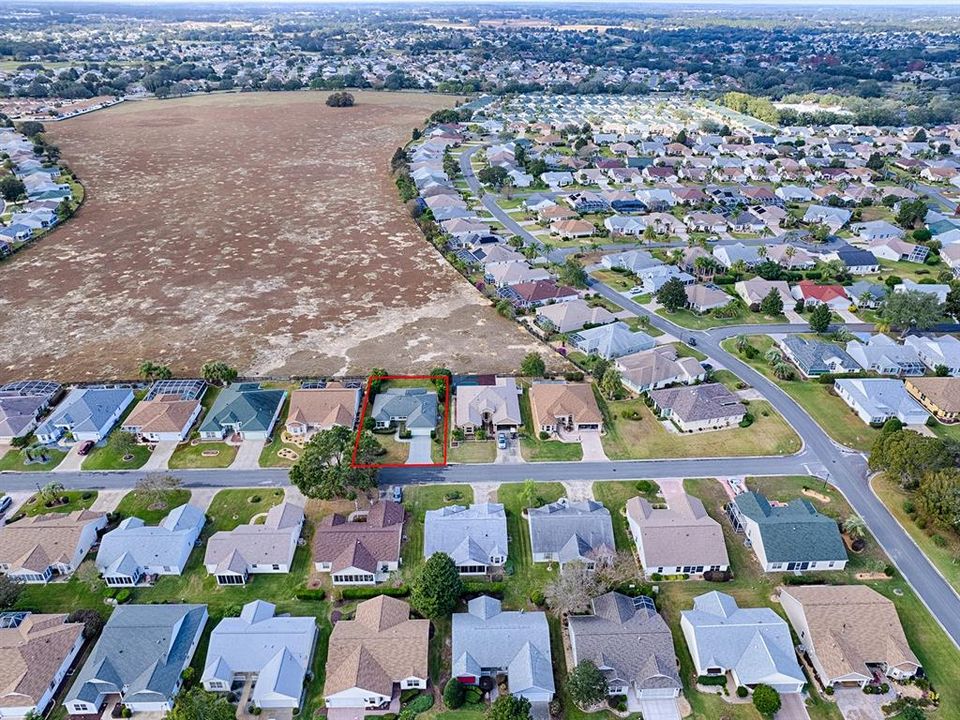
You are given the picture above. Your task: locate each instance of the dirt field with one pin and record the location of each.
(261, 229)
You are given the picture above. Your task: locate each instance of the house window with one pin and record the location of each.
(230, 579)
(276, 567)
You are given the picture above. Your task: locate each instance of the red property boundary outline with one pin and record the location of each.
(363, 415)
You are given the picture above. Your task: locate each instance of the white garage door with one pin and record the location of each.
(651, 693)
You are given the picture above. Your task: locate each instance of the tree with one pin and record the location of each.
(587, 685)
(938, 497)
(533, 365)
(951, 306)
(441, 385)
(437, 587)
(572, 590)
(454, 694)
(10, 591)
(672, 295)
(92, 620)
(375, 379)
(783, 371)
(509, 707)
(742, 343)
(573, 274)
(155, 487)
(198, 704)
(766, 700)
(12, 188)
(149, 370)
(610, 384)
(528, 494)
(911, 213)
(905, 455)
(494, 176)
(772, 304)
(875, 162)
(51, 491)
(820, 318)
(340, 99)
(911, 309)
(819, 232)
(855, 527)
(122, 443)
(325, 469)
(218, 373)
(31, 128)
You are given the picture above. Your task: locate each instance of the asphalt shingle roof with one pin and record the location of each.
(794, 531)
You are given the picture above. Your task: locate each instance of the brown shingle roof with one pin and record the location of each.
(35, 543)
(163, 414)
(378, 648)
(30, 656)
(683, 534)
(324, 407)
(850, 626)
(335, 538)
(551, 400)
(944, 392)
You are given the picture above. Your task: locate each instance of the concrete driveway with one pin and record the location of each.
(107, 500)
(160, 457)
(662, 709)
(72, 462)
(420, 450)
(855, 705)
(592, 446)
(511, 453)
(792, 708)
(248, 455)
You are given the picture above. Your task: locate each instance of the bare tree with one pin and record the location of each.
(156, 486)
(572, 590)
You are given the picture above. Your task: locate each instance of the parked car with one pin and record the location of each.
(502, 441)
(5, 504)
(397, 493)
(85, 447)
(692, 342)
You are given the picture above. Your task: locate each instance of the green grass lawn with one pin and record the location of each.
(14, 461)
(533, 449)
(620, 282)
(188, 455)
(76, 500)
(396, 452)
(527, 576)
(230, 508)
(944, 553)
(626, 438)
(150, 508)
(106, 458)
(836, 418)
(684, 350)
(600, 301)
(269, 457)
(417, 500)
(614, 496)
(692, 321)
(643, 325)
(473, 451)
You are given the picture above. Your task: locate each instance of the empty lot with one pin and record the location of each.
(261, 229)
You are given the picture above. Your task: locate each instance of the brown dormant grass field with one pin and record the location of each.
(260, 229)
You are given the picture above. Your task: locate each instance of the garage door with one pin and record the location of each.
(653, 693)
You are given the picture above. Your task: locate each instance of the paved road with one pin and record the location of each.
(844, 469)
(936, 194)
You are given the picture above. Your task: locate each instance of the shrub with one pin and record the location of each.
(766, 700)
(537, 598)
(318, 594)
(482, 587)
(454, 694)
(544, 435)
(829, 690)
(717, 575)
(939, 540)
(254, 499)
(747, 421)
(122, 596)
(126, 712)
(473, 695)
(742, 691)
(618, 702)
(420, 704)
(656, 577)
(717, 680)
(574, 376)
(921, 523)
(644, 486)
(365, 593)
(909, 507)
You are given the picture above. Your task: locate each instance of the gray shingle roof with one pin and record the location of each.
(793, 532)
(467, 534)
(244, 403)
(142, 647)
(418, 405)
(133, 544)
(573, 530)
(699, 402)
(85, 409)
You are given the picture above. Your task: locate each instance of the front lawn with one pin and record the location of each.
(836, 418)
(106, 458)
(76, 500)
(269, 455)
(396, 451)
(473, 451)
(190, 455)
(692, 321)
(533, 449)
(629, 439)
(149, 507)
(230, 508)
(614, 495)
(621, 282)
(15, 461)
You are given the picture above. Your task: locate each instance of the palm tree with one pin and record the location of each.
(676, 256)
(772, 356)
(743, 342)
(782, 371)
(738, 268)
(855, 527)
(762, 252)
(789, 253)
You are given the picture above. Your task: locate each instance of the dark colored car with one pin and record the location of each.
(85, 447)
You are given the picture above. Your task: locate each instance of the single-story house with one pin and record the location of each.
(489, 641)
(490, 407)
(630, 643)
(233, 555)
(939, 291)
(652, 369)
(834, 296)
(275, 652)
(728, 255)
(849, 632)
(939, 396)
(362, 549)
(937, 350)
(570, 316)
(34, 549)
(866, 294)
(651, 279)
(612, 341)
(572, 229)
(699, 408)
(374, 657)
(876, 400)
(166, 418)
(86, 413)
(885, 356)
(245, 410)
(537, 293)
(788, 537)
(134, 551)
(474, 537)
(815, 357)
(857, 261)
(899, 251)
(876, 231)
(138, 659)
(565, 532)
(755, 290)
(315, 409)
(678, 539)
(563, 406)
(22, 404)
(36, 652)
(833, 217)
(415, 407)
(702, 298)
(753, 645)
(632, 260)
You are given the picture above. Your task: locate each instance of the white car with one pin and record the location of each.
(5, 504)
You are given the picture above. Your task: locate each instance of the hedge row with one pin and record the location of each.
(365, 593)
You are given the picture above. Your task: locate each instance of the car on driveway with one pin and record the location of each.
(85, 447)
(397, 494)
(5, 504)
(502, 441)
